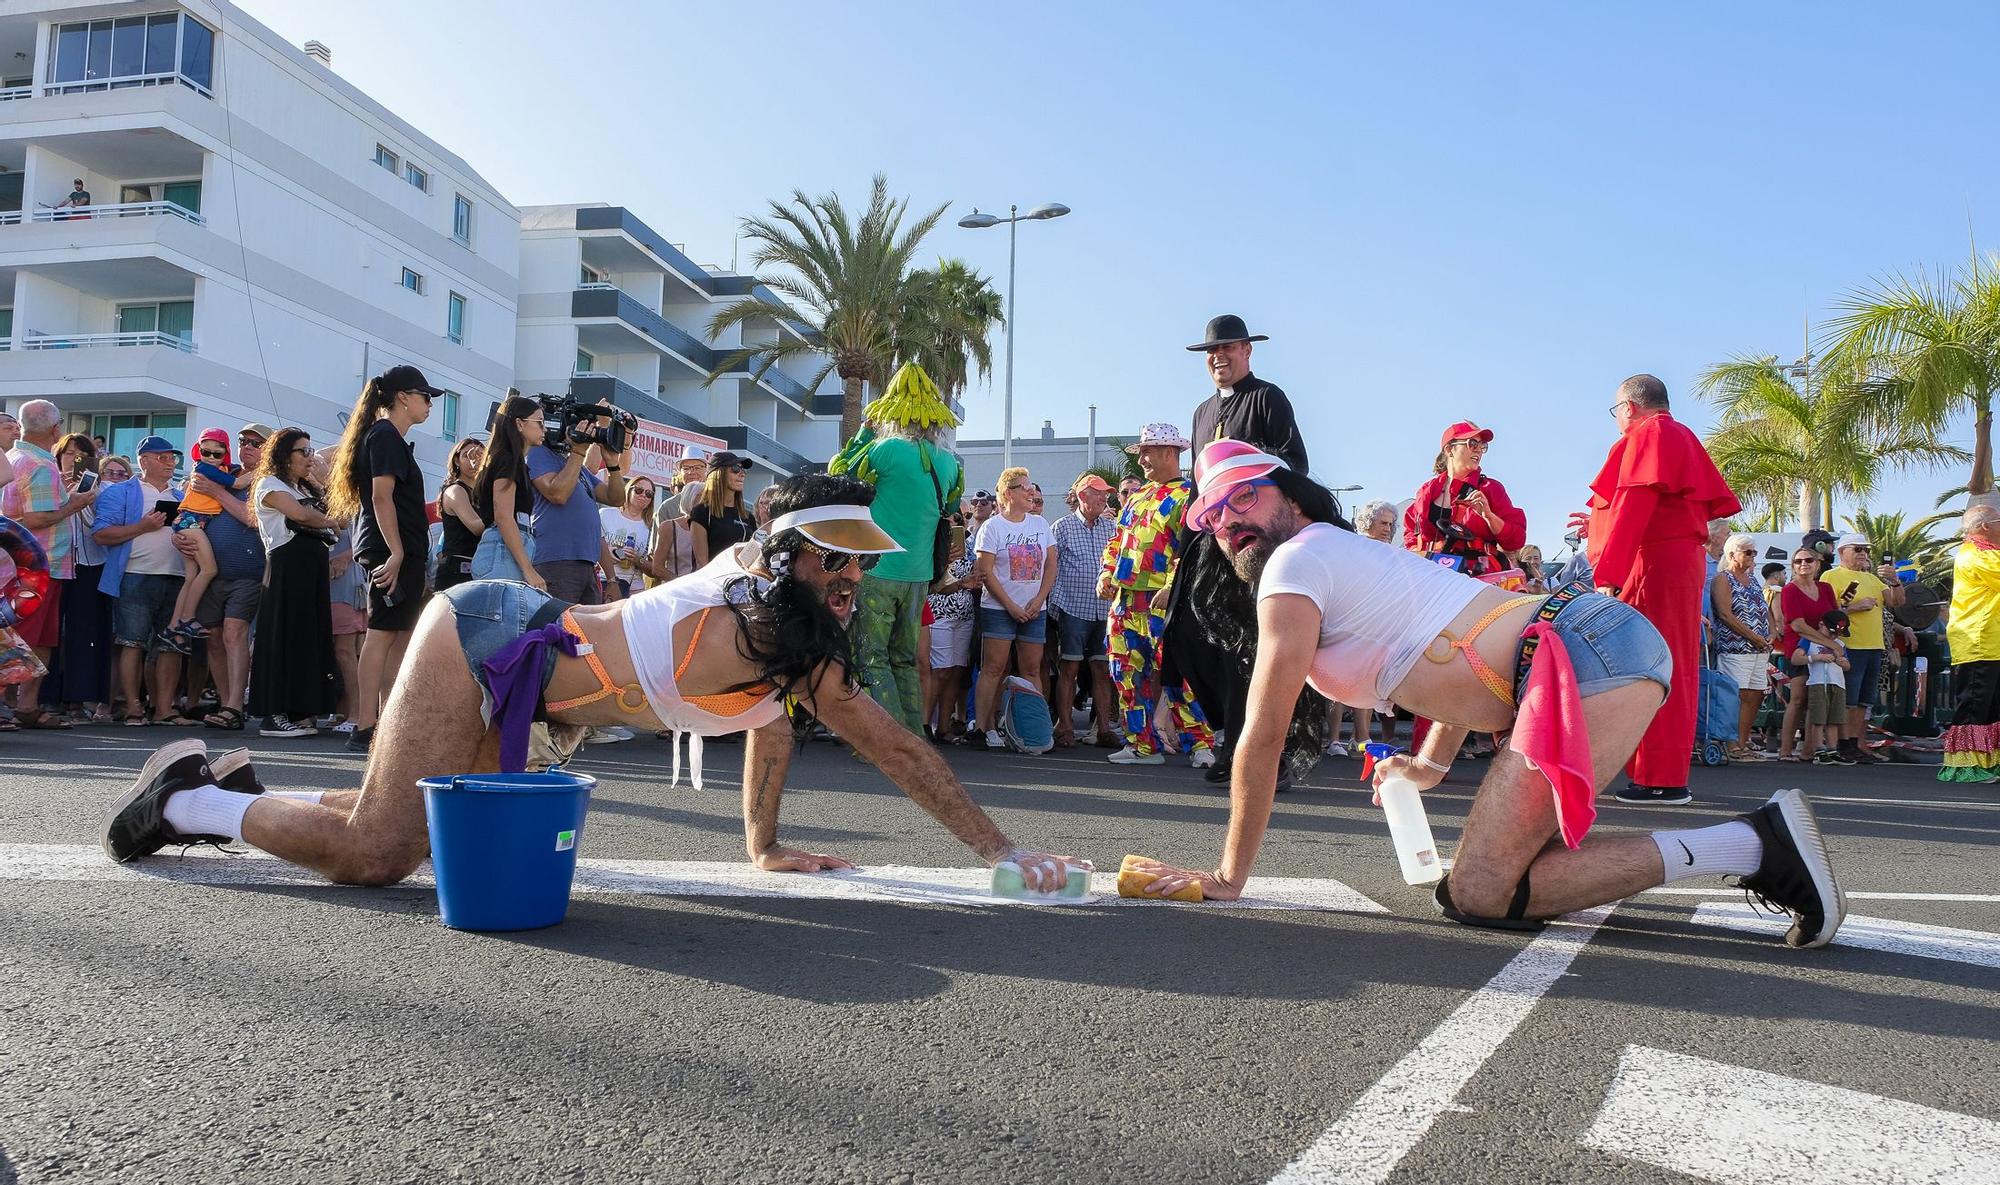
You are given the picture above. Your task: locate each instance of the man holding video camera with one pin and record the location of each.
(569, 543)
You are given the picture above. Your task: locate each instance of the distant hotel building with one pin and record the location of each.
(260, 236)
(610, 309)
(1052, 461)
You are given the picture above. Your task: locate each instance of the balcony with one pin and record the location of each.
(116, 210)
(591, 387)
(10, 93)
(84, 341)
(605, 300)
(620, 219)
(747, 439)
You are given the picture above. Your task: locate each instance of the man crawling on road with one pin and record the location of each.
(1574, 676)
(717, 651)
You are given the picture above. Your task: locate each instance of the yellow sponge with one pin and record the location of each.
(1131, 882)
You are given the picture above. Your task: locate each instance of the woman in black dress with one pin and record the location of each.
(720, 520)
(460, 524)
(291, 665)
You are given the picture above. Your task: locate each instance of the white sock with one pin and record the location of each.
(208, 810)
(297, 795)
(1725, 849)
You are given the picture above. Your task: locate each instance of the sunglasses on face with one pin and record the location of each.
(1478, 444)
(837, 561)
(250, 441)
(642, 493)
(212, 454)
(116, 475)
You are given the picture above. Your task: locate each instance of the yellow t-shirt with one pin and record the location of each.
(1864, 628)
(1974, 630)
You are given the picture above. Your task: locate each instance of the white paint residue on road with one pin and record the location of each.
(1736, 1126)
(663, 878)
(1897, 938)
(1367, 1143)
(1729, 891)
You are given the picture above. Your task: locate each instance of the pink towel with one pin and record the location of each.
(1550, 734)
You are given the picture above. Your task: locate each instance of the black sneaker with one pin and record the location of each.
(1218, 774)
(360, 739)
(285, 728)
(136, 824)
(1795, 876)
(1638, 795)
(233, 772)
(1829, 757)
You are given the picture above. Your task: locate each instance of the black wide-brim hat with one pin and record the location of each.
(1225, 329)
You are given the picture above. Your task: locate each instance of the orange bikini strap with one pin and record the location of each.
(631, 697)
(1487, 675)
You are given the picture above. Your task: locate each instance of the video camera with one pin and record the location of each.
(572, 423)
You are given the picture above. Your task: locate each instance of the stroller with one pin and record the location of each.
(1715, 716)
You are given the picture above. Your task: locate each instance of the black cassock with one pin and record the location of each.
(1211, 629)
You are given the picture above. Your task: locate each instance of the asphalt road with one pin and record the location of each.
(158, 1030)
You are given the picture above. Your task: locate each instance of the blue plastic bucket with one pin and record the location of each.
(504, 846)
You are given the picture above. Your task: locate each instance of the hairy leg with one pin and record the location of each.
(1513, 825)
(993, 654)
(430, 726)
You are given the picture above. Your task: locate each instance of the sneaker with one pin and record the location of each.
(608, 735)
(330, 722)
(1130, 756)
(1218, 773)
(285, 728)
(994, 740)
(1201, 758)
(344, 728)
(359, 740)
(1795, 876)
(1829, 757)
(1639, 795)
(232, 772)
(137, 825)
(1336, 749)
(1843, 757)
(1866, 756)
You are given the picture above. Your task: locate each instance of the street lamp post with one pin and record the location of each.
(979, 221)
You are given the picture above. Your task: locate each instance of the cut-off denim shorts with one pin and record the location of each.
(492, 561)
(1610, 644)
(999, 625)
(491, 613)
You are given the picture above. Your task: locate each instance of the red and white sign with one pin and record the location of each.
(657, 450)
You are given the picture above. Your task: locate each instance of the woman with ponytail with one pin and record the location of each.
(503, 498)
(377, 484)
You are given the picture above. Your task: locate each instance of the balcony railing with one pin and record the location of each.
(109, 210)
(8, 93)
(607, 300)
(124, 81)
(85, 341)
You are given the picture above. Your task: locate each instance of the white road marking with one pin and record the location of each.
(1864, 895)
(84, 863)
(1365, 1145)
(1736, 1126)
(1883, 934)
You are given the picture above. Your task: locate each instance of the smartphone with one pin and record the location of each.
(390, 598)
(169, 507)
(86, 481)
(958, 536)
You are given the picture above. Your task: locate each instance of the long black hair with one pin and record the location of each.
(785, 630)
(1226, 606)
(344, 493)
(506, 456)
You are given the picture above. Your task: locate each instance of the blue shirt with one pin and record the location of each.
(239, 550)
(571, 531)
(121, 505)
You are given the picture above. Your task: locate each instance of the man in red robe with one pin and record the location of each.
(1650, 507)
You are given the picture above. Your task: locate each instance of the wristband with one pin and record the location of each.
(614, 469)
(1427, 763)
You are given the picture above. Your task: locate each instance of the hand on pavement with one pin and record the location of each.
(1042, 872)
(1214, 887)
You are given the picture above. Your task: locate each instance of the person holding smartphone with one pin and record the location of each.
(376, 483)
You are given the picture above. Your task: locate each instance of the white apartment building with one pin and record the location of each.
(1052, 461)
(259, 236)
(610, 309)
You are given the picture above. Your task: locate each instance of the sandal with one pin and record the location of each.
(137, 720)
(225, 719)
(40, 718)
(176, 721)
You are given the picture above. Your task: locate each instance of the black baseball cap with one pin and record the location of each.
(407, 378)
(725, 459)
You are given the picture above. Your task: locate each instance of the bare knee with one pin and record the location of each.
(375, 869)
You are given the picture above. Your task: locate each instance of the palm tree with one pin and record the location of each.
(1890, 537)
(849, 280)
(1777, 437)
(1925, 348)
(948, 315)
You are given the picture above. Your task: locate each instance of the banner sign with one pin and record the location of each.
(657, 450)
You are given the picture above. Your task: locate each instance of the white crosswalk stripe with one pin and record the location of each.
(1736, 1126)
(1884, 934)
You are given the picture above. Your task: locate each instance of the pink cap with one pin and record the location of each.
(1222, 467)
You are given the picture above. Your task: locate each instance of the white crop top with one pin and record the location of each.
(650, 619)
(1380, 607)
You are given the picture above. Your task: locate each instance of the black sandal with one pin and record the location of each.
(225, 720)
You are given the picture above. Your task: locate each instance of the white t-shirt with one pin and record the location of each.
(153, 553)
(631, 534)
(1823, 674)
(1380, 607)
(271, 522)
(1019, 550)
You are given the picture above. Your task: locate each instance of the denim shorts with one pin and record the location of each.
(145, 607)
(1864, 677)
(1080, 638)
(491, 613)
(1610, 645)
(999, 625)
(492, 561)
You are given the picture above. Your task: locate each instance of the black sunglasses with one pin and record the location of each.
(837, 561)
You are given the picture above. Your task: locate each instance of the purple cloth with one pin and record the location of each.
(514, 680)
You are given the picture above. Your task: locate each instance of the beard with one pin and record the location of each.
(1249, 548)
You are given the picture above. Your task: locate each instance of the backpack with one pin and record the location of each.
(1024, 717)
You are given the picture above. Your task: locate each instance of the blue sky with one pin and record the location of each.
(1440, 211)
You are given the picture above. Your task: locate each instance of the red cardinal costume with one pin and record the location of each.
(1650, 507)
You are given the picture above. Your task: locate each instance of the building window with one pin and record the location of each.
(387, 159)
(591, 275)
(454, 318)
(414, 281)
(148, 50)
(449, 424)
(6, 329)
(124, 432)
(461, 219)
(586, 362)
(173, 318)
(417, 177)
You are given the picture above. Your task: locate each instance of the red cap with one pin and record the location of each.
(1464, 430)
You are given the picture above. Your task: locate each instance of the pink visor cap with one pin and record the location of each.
(1223, 467)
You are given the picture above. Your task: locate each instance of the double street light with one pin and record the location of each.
(979, 221)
